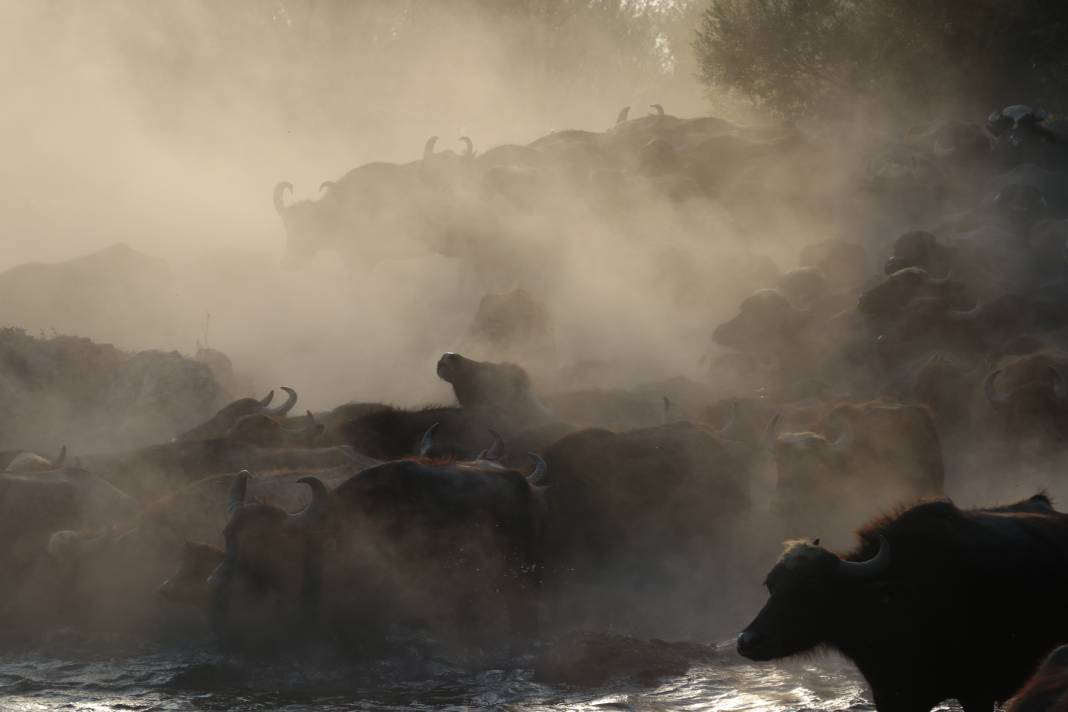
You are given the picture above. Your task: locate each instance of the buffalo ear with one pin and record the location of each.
(816, 541)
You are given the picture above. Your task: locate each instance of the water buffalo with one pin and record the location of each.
(389, 433)
(869, 456)
(462, 530)
(919, 248)
(771, 330)
(1029, 393)
(936, 602)
(1021, 135)
(270, 576)
(219, 424)
(374, 212)
(639, 514)
(887, 300)
(33, 505)
(766, 324)
(501, 388)
(116, 569)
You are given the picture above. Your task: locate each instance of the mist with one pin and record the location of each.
(165, 128)
(205, 202)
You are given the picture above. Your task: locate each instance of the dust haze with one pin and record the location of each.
(143, 142)
(165, 127)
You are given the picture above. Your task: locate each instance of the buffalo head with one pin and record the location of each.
(808, 591)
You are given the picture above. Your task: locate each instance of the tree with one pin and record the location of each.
(808, 56)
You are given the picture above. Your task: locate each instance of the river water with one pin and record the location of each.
(104, 675)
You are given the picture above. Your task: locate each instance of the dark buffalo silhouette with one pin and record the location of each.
(935, 603)
(219, 424)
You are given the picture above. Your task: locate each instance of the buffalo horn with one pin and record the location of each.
(844, 441)
(428, 147)
(469, 151)
(60, 458)
(770, 435)
(622, 114)
(428, 439)
(266, 400)
(237, 492)
(868, 570)
(280, 198)
(291, 400)
(732, 421)
(938, 281)
(538, 472)
(991, 392)
(309, 424)
(326, 184)
(316, 510)
(658, 108)
(1060, 386)
(972, 313)
(494, 451)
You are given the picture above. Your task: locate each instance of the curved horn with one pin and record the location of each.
(1060, 386)
(427, 441)
(309, 425)
(316, 510)
(469, 151)
(291, 400)
(845, 440)
(280, 198)
(326, 184)
(659, 109)
(496, 450)
(939, 281)
(972, 313)
(266, 400)
(537, 473)
(991, 392)
(770, 435)
(870, 569)
(732, 420)
(237, 492)
(60, 458)
(622, 114)
(428, 147)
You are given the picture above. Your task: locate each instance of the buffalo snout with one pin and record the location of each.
(749, 643)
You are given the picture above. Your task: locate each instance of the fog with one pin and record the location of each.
(191, 185)
(165, 127)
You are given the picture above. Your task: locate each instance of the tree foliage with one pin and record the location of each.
(808, 56)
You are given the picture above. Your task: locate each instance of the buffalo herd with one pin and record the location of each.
(869, 381)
